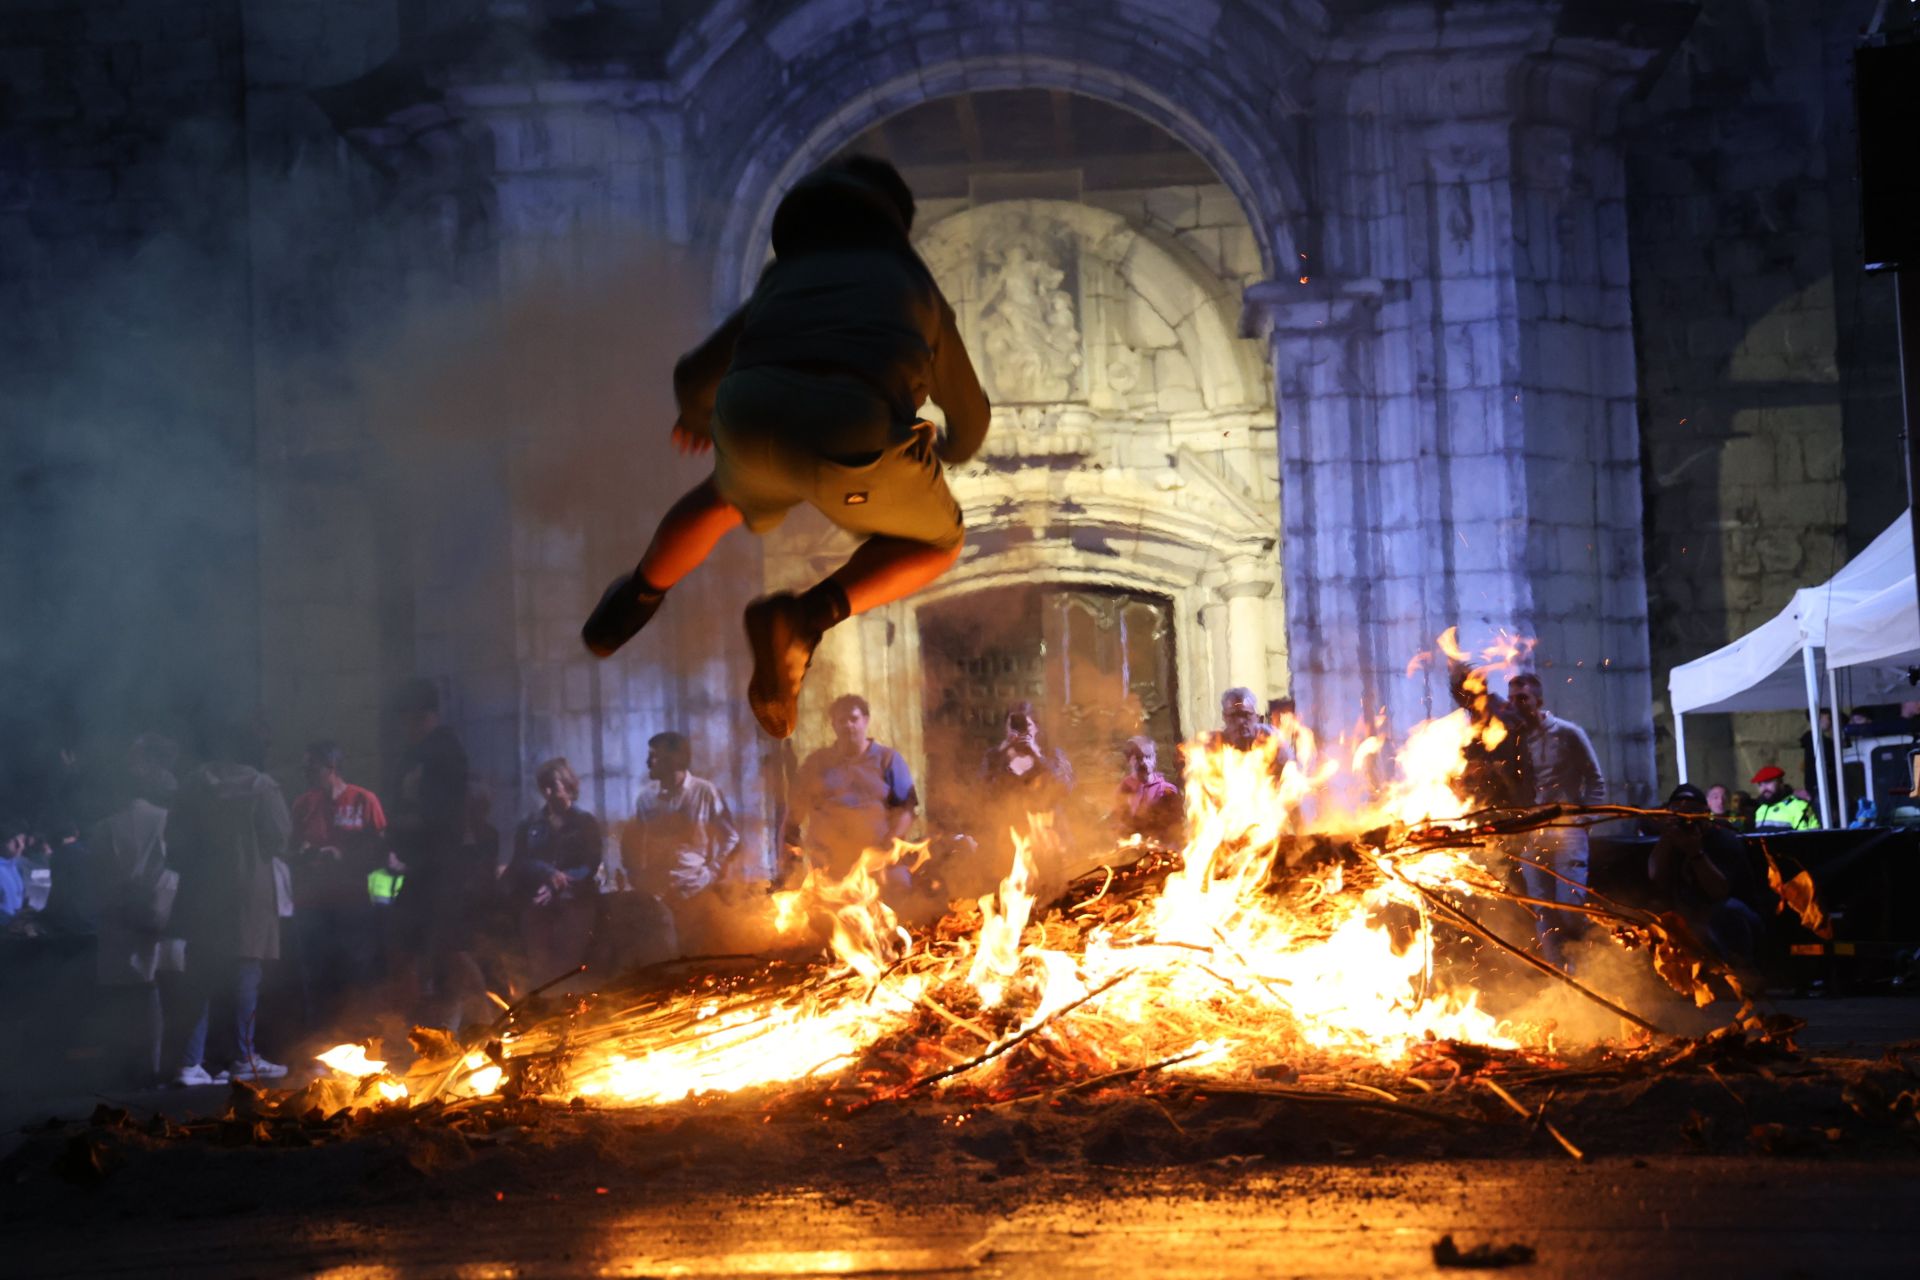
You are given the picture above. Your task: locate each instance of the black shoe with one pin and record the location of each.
(623, 610)
(782, 645)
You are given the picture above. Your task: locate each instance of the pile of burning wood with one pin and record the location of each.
(1328, 911)
(1276, 943)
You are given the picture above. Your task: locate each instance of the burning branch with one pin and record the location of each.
(1027, 1033)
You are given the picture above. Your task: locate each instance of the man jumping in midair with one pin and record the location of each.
(811, 393)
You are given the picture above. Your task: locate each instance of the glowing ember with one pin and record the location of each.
(352, 1060)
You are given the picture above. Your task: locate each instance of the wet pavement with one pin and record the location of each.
(619, 1194)
(1663, 1217)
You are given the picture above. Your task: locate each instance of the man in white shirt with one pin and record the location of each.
(682, 834)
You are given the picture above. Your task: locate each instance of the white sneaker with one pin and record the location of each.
(197, 1075)
(255, 1069)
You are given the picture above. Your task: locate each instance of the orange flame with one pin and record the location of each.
(1261, 945)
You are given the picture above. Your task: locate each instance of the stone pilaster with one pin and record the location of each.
(1456, 375)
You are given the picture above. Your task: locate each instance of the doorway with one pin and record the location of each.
(1096, 662)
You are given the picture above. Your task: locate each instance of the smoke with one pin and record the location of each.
(261, 466)
(1602, 965)
(569, 373)
(127, 503)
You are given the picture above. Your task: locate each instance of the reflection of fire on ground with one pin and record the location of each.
(1292, 931)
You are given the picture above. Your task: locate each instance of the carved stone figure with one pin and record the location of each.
(1032, 337)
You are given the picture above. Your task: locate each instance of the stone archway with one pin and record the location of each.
(1452, 364)
(1455, 392)
(1222, 81)
(1132, 449)
(843, 70)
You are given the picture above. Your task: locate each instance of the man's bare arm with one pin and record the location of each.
(956, 389)
(697, 374)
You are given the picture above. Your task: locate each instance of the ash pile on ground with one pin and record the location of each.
(121, 1165)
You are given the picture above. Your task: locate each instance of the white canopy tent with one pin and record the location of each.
(1876, 641)
(1881, 633)
(1777, 666)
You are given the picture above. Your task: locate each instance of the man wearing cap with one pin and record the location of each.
(1701, 870)
(1780, 809)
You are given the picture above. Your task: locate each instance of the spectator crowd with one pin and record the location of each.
(195, 923)
(221, 926)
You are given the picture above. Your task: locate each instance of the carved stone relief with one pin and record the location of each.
(1031, 325)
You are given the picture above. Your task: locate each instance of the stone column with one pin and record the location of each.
(1332, 422)
(1214, 622)
(1246, 592)
(1454, 371)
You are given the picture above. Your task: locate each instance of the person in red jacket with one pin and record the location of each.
(811, 393)
(339, 839)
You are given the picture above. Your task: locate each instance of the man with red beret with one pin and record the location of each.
(1780, 809)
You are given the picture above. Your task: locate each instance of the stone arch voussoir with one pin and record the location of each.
(852, 78)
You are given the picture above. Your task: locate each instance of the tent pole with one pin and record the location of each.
(1906, 329)
(1839, 761)
(1813, 733)
(1680, 743)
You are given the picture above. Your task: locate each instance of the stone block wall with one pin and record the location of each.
(1459, 375)
(1576, 371)
(1769, 409)
(574, 298)
(338, 559)
(209, 275)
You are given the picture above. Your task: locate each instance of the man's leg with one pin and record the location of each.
(246, 1010)
(783, 630)
(1734, 930)
(310, 938)
(1563, 851)
(187, 1000)
(686, 536)
(886, 569)
(1536, 857)
(151, 1027)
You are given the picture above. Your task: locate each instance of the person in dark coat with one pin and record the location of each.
(228, 825)
(1498, 774)
(1021, 778)
(135, 895)
(427, 827)
(556, 854)
(1701, 870)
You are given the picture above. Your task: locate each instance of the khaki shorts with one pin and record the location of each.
(764, 469)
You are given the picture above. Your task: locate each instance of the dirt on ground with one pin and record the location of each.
(1741, 1101)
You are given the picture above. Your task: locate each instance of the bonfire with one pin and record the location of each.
(1311, 925)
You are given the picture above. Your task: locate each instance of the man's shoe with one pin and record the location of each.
(189, 1077)
(625, 607)
(255, 1069)
(782, 645)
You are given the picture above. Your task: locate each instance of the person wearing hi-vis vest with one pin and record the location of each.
(1780, 809)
